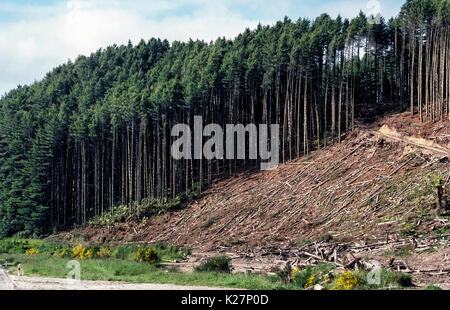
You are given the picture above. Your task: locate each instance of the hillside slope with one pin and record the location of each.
(377, 184)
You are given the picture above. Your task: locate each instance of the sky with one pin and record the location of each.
(38, 35)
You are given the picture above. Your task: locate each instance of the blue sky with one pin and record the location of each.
(37, 35)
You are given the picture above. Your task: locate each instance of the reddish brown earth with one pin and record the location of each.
(375, 182)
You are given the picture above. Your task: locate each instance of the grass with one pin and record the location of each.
(388, 280)
(133, 272)
(430, 250)
(122, 266)
(125, 252)
(432, 288)
(19, 246)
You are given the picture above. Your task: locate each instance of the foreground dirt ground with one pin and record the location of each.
(30, 283)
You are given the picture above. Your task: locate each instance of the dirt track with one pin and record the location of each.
(5, 281)
(29, 283)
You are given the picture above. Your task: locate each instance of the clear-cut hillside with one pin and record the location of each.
(377, 184)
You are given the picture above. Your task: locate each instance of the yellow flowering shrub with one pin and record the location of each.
(64, 253)
(346, 281)
(148, 255)
(104, 253)
(79, 252)
(89, 254)
(138, 256)
(310, 281)
(294, 272)
(31, 252)
(151, 256)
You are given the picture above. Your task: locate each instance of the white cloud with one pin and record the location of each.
(34, 45)
(351, 8)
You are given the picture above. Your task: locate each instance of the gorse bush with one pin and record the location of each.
(311, 275)
(215, 264)
(311, 281)
(347, 281)
(147, 255)
(104, 253)
(31, 252)
(79, 252)
(64, 253)
(89, 254)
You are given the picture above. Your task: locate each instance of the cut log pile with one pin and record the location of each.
(366, 188)
(351, 256)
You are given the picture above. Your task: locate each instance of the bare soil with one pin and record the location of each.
(32, 283)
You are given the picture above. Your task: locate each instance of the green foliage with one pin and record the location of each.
(326, 238)
(148, 207)
(401, 252)
(20, 246)
(133, 272)
(147, 255)
(432, 288)
(438, 181)
(285, 274)
(389, 280)
(219, 264)
(159, 251)
(311, 275)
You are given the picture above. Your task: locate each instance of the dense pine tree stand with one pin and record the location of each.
(96, 133)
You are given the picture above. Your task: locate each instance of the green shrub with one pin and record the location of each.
(123, 252)
(13, 246)
(20, 246)
(216, 264)
(103, 252)
(311, 275)
(147, 255)
(347, 280)
(388, 280)
(326, 238)
(405, 280)
(286, 274)
(148, 207)
(432, 288)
